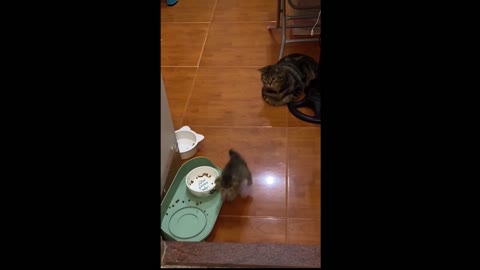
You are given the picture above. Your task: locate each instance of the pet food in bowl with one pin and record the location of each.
(201, 181)
(187, 141)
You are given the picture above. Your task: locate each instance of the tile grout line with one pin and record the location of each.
(198, 64)
(208, 31)
(234, 22)
(184, 22)
(178, 66)
(231, 22)
(226, 22)
(210, 126)
(189, 96)
(286, 183)
(219, 66)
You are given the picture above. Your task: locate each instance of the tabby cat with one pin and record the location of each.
(288, 78)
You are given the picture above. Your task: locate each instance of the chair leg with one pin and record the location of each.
(284, 29)
(278, 13)
(278, 17)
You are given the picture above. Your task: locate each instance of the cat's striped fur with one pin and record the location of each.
(288, 78)
(235, 173)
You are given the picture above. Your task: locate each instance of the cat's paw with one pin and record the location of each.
(273, 102)
(288, 99)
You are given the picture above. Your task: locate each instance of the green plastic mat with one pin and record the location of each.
(184, 216)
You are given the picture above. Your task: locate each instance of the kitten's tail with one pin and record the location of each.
(232, 153)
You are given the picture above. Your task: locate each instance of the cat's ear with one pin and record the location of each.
(264, 69)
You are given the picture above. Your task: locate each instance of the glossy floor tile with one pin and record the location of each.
(181, 43)
(239, 44)
(231, 97)
(245, 11)
(304, 231)
(178, 86)
(248, 44)
(211, 51)
(249, 230)
(187, 11)
(303, 172)
(264, 150)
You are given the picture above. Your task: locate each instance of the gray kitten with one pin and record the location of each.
(229, 182)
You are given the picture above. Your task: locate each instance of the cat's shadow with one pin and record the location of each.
(239, 206)
(242, 204)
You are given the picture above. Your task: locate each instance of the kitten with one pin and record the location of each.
(287, 79)
(235, 172)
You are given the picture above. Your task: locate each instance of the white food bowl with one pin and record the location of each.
(187, 141)
(201, 181)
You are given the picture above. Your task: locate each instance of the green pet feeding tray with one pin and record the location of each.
(184, 216)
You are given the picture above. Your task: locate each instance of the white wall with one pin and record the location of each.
(168, 142)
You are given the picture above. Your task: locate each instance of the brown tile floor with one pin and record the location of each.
(210, 54)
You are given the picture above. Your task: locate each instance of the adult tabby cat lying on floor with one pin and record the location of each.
(287, 79)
